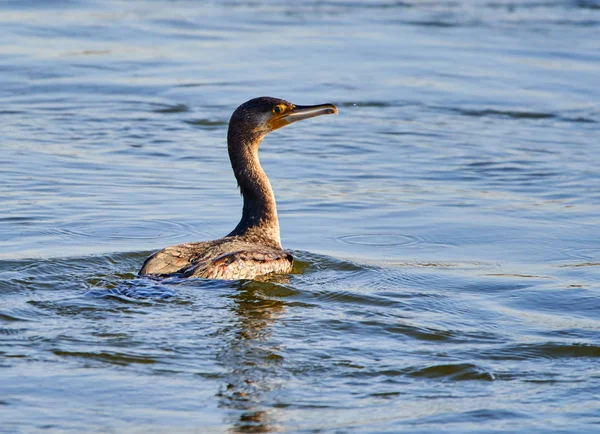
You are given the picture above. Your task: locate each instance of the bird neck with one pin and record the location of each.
(259, 220)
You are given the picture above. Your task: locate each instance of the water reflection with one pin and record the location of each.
(252, 358)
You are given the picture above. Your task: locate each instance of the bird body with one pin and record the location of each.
(253, 248)
(226, 258)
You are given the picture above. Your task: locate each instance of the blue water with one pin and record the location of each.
(446, 223)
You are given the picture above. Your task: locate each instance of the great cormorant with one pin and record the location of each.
(253, 248)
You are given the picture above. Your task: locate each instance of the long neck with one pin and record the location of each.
(259, 216)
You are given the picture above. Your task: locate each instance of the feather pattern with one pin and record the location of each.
(227, 258)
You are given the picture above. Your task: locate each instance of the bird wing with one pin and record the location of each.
(199, 260)
(244, 264)
(172, 260)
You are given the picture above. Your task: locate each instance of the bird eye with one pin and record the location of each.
(278, 109)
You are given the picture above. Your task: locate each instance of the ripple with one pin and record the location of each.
(432, 334)
(133, 294)
(313, 261)
(389, 240)
(9, 317)
(145, 289)
(122, 359)
(545, 351)
(462, 265)
(10, 332)
(352, 297)
(269, 289)
(582, 264)
(439, 23)
(207, 123)
(586, 254)
(514, 114)
(582, 119)
(519, 276)
(522, 114)
(177, 108)
(20, 314)
(453, 372)
(443, 372)
(135, 230)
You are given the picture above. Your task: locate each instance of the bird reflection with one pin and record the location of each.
(252, 357)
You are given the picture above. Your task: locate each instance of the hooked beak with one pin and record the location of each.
(301, 112)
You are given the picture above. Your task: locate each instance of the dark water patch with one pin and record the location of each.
(132, 293)
(207, 123)
(385, 395)
(542, 351)
(523, 114)
(441, 373)
(176, 108)
(75, 306)
(21, 220)
(120, 359)
(461, 265)
(583, 120)
(517, 276)
(350, 5)
(146, 289)
(514, 114)
(581, 264)
(575, 22)
(587, 4)
(572, 334)
(441, 335)
(442, 23)
(12, 317)
(453, 372)
(11, 332)
(513, 6)
(271, 288)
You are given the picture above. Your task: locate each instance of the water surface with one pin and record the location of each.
(446, 222)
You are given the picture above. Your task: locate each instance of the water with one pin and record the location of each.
(446, 222)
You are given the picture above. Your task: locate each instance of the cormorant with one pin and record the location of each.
(253, 248)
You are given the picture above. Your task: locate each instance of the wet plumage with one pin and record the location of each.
(253, 248)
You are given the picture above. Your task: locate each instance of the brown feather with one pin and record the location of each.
(227, 258)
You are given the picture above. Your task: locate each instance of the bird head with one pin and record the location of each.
(260, 116)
